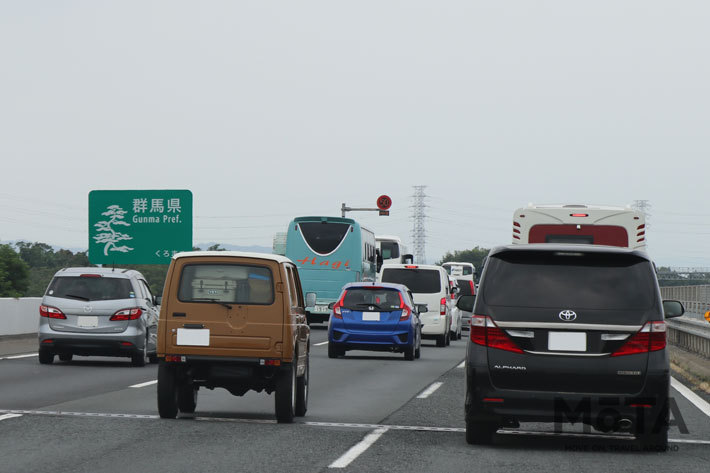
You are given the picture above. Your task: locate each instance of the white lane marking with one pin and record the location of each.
(319, 344)
(462, 365)
(17, 357)
(9, 416)
(147, 383)
(340, 425)
(430, 390)
(358, 449)
(696, 400)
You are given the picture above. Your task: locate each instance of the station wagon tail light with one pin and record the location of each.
(406, 311)
(51, 312)
(486, 333)
(652, 337)
(127, 314)
(442, 306)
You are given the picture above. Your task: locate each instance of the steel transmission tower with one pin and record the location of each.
(418, 230)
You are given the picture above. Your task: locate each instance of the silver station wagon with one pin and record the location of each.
(98, 312)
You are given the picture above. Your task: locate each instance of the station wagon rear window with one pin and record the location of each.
(323, 237)
(380, 299)
(91, 288)
(419, 281)
(568, 279)
(235, 283)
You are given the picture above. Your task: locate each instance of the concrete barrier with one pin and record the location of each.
(19, 316)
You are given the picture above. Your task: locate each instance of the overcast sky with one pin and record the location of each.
(268, 110)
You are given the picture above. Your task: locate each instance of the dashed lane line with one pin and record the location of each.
(430, 390)
(320, 344)
(4, 413)
(17, 357)
(358, 449)
(462, 365)
(9, 416)
(147, 383)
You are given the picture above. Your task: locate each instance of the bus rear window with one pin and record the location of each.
(389, 249)
(610, 235)
(235, 283)
(419, 281)
(323, 237)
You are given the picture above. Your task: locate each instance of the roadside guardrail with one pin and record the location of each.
(690, 333)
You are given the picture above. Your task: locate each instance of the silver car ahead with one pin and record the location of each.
(98, 312)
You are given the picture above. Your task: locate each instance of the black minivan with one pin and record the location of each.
(568, 333)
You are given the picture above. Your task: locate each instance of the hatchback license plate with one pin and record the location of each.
(374, 316)
(567, 341)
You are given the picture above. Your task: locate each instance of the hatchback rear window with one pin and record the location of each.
(235, 283)
(569, 280)
(419, 281)
(323, 237)
(378, 298)
(90, 288)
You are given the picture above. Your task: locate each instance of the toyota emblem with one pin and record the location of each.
(568, 315)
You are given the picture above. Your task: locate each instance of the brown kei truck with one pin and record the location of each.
(232, 320)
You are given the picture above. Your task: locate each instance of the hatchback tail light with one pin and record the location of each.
(51, 312)
(442, 306)
(337, 313)
(406, 311)
(652, 337)
(486, 333)
(473, 287)
(127, 314)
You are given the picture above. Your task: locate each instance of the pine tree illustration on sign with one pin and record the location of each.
(110, 236)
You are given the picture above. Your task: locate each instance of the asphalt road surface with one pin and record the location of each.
(367, 412)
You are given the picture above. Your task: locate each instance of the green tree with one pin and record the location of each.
(474, 256)
(14, 273)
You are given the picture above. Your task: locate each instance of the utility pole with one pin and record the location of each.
(418, 230)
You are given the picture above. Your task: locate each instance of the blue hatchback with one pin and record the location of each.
(374, 316)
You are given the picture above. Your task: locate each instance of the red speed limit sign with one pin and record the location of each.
(384, 202)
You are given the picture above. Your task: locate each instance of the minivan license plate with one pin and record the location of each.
(87, 321)
(567, 341)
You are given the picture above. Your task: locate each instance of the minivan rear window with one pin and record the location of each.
(419, 281)
(235, 283)
(380, 299)
(323, 237)
(90, 288)
(569, 280)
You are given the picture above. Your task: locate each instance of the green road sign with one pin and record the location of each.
(139, 226)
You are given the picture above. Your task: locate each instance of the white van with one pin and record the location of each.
(429, 285)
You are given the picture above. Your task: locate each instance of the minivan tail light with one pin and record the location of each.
(51, 312)
(127, 314)
(442, 306)
(652, 337)
(473, 289)
(486, 333)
